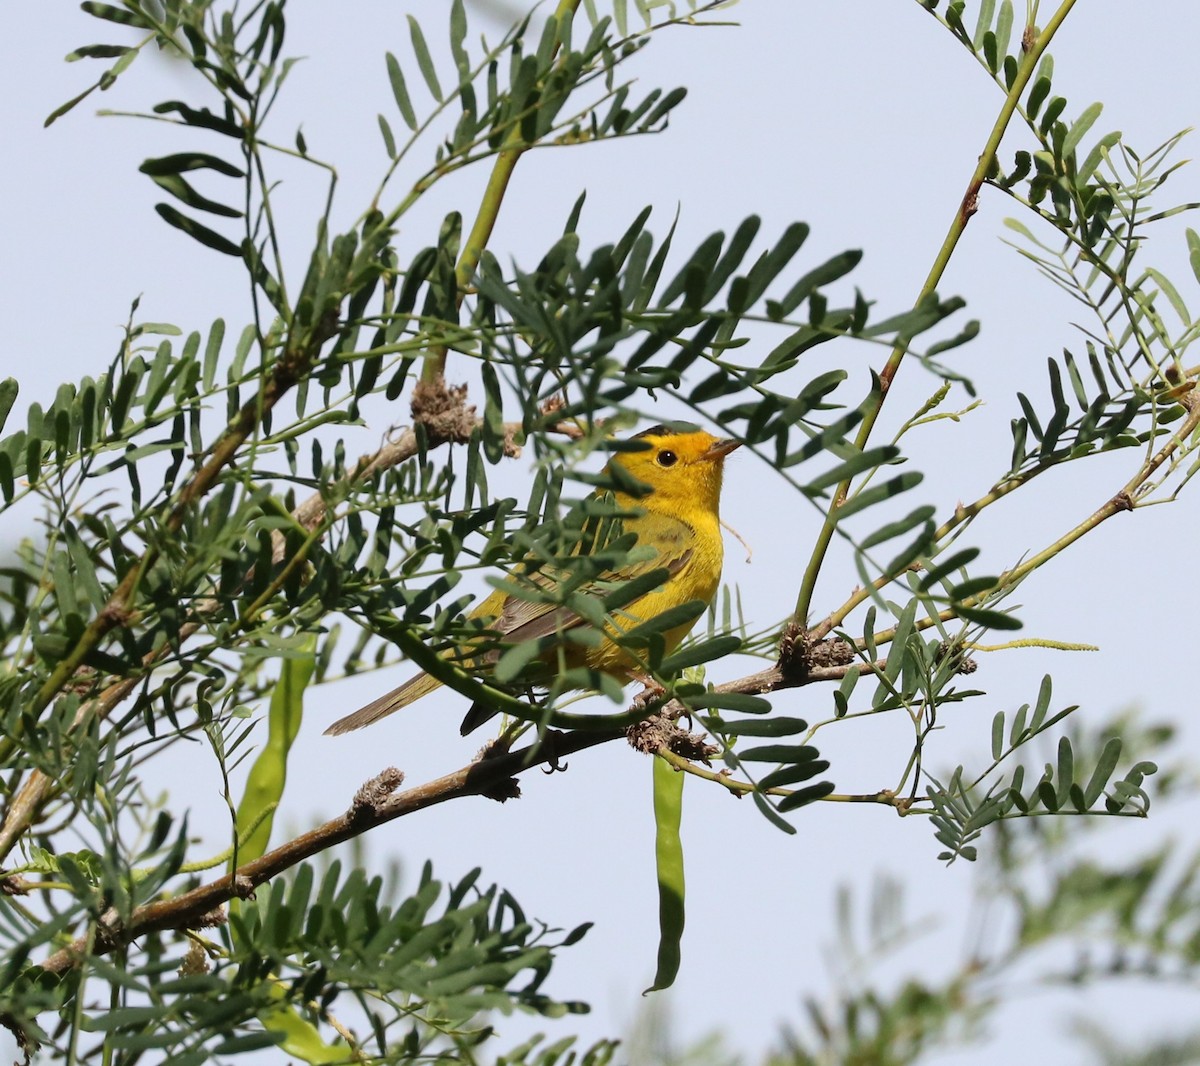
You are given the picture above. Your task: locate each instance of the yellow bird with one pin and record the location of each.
(678, 519)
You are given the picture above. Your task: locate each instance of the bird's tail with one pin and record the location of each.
(412, 689)
(475, 717)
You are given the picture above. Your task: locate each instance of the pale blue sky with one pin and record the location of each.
(864, 120)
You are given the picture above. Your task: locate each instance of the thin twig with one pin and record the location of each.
(24, 808)
(374, 804)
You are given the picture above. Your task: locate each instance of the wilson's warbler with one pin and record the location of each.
(678, 519)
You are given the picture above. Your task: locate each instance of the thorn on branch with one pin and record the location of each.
(243, 887)
(371, 796)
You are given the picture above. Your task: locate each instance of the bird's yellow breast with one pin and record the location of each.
(697, 579)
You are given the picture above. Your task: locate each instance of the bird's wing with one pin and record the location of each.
(522, 619)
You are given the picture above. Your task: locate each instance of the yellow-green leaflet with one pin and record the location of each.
(264, 786)
(668, 858)
(301, 1038)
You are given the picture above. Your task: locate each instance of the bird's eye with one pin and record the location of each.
(667, 457)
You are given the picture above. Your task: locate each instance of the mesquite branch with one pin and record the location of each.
(376, 803)
(444, 416)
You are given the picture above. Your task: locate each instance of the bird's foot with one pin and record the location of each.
(549, 742)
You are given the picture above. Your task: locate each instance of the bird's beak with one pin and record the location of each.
(720, 449)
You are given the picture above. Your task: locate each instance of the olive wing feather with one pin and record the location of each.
(522, 619)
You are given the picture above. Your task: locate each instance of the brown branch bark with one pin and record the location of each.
(374, 804)
(448, 422)
(377, 803)
(25, 806)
